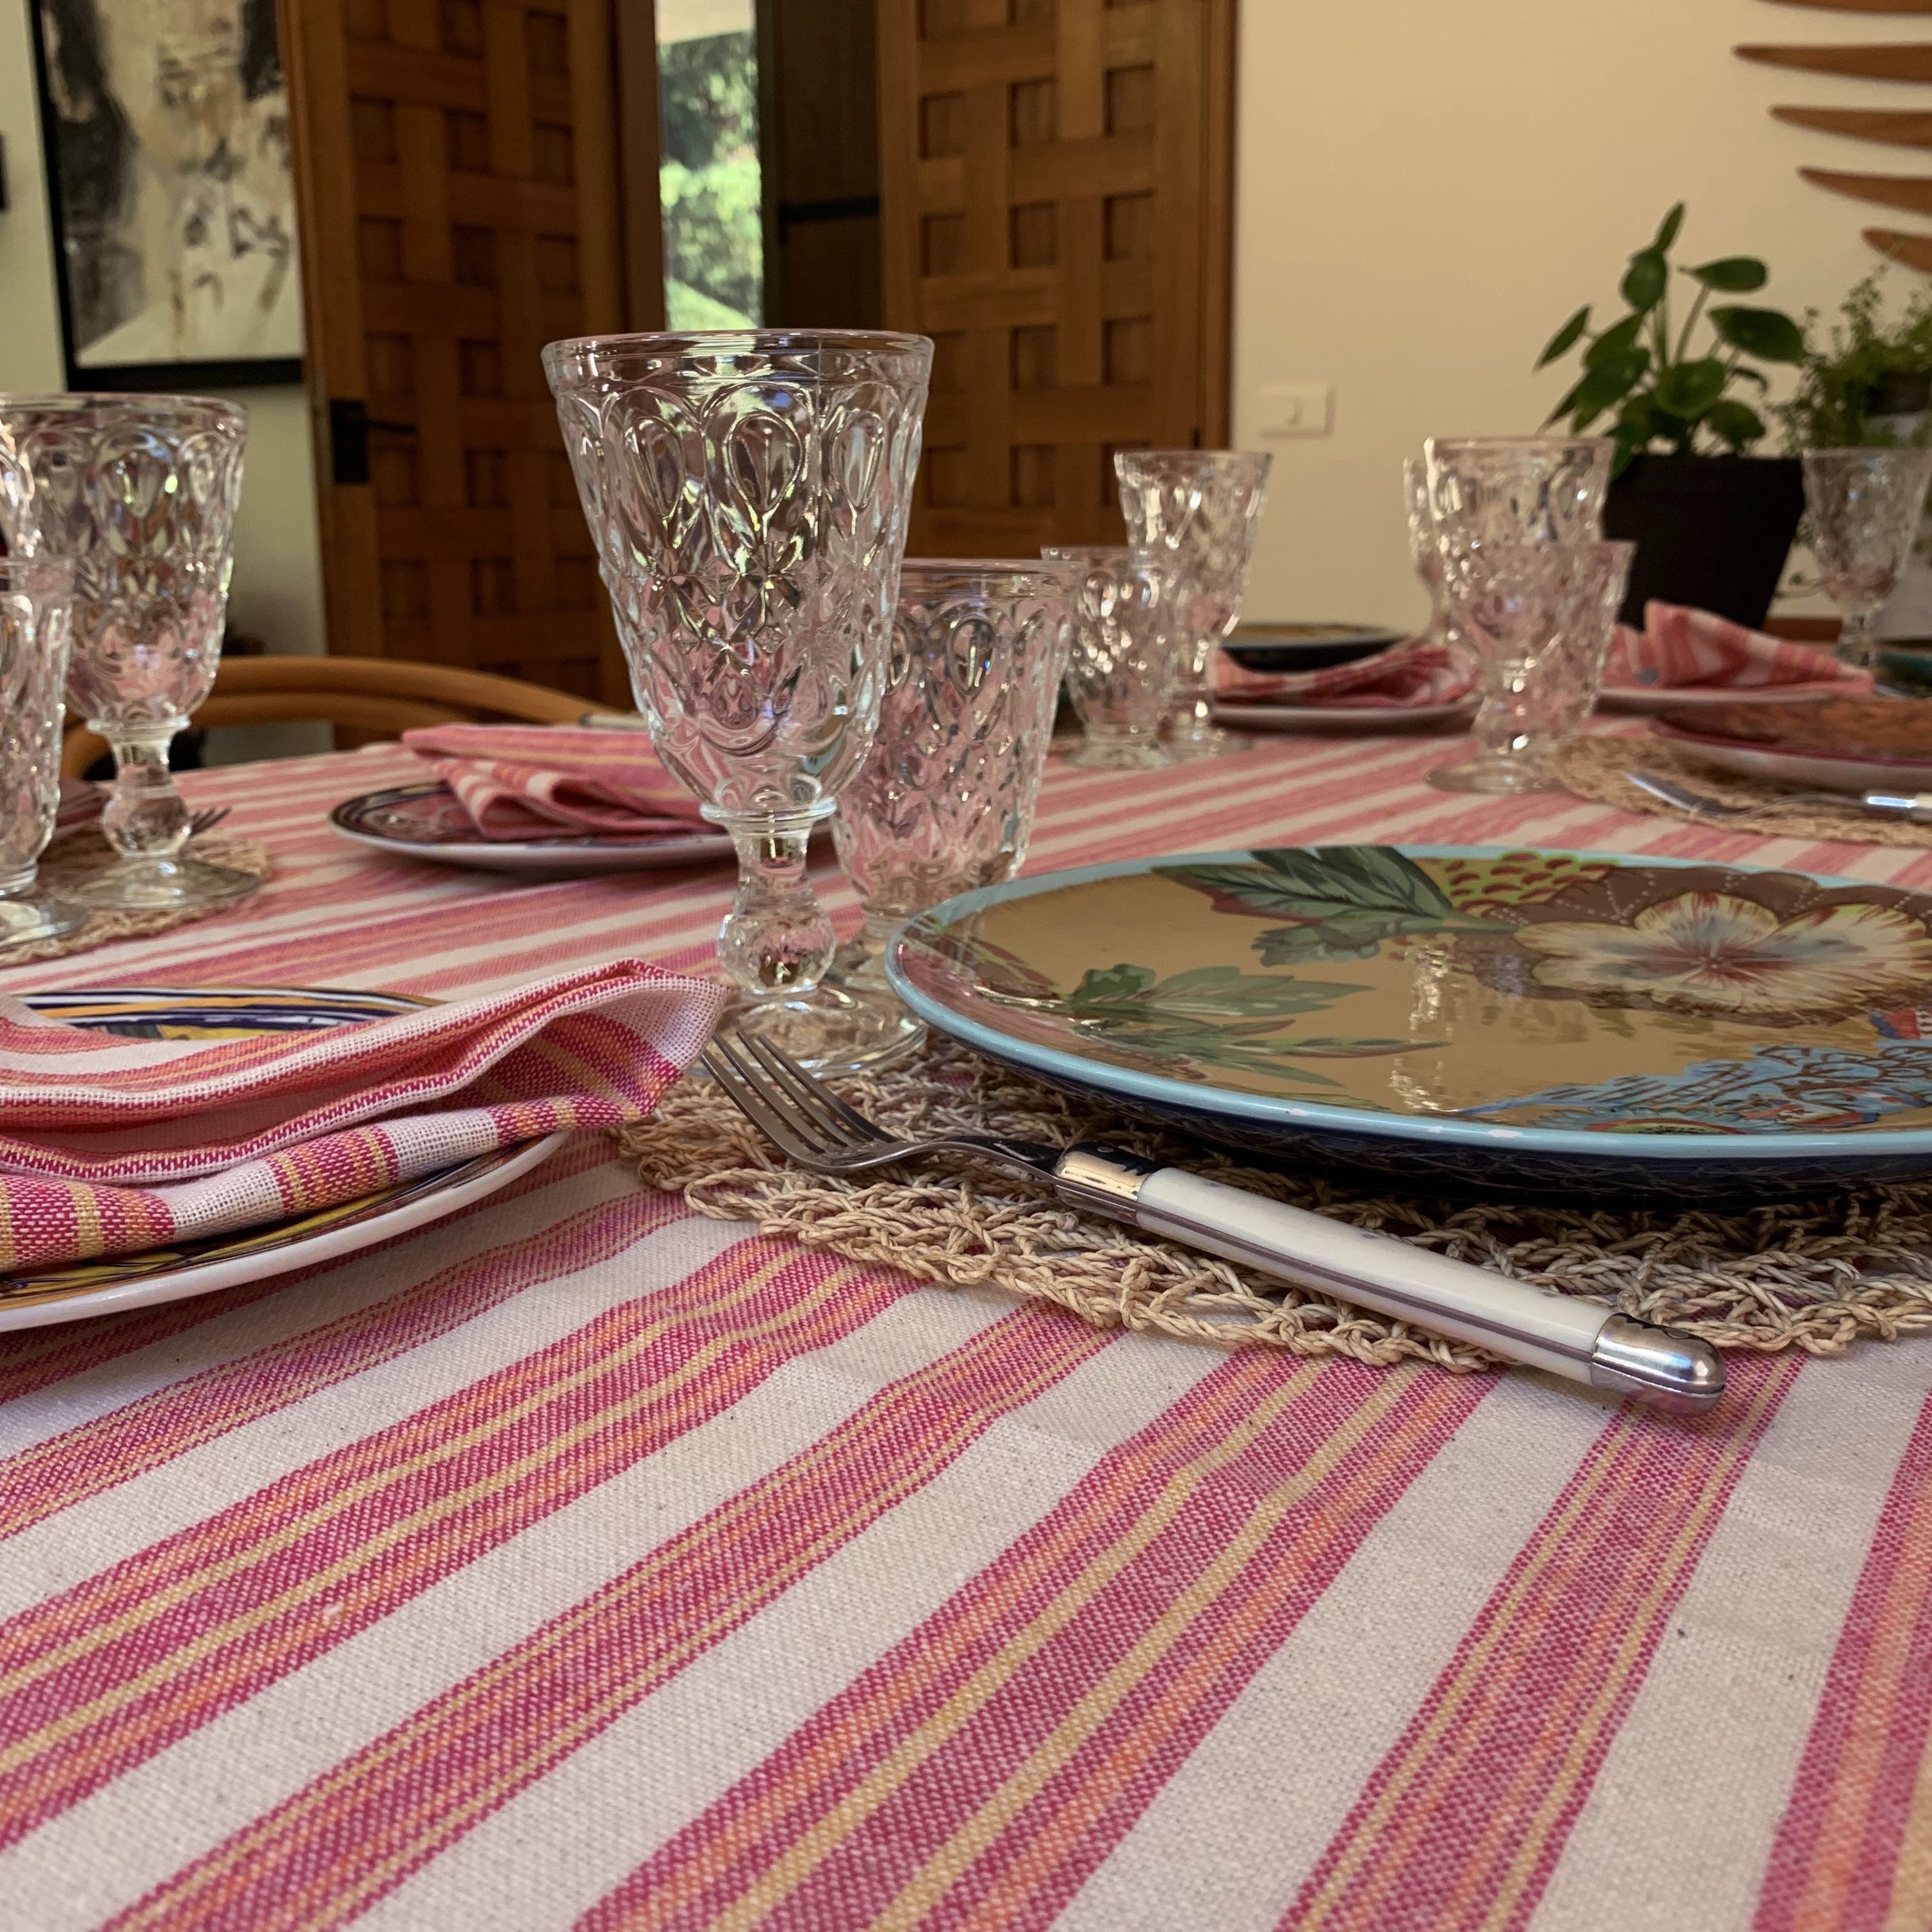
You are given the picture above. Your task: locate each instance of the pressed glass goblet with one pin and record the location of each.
(1518, 489)
(1200, 508)
(36, 604)
(1425, 550)
(1123, 662)
(747, 492)
(945, 803)
(138, 493)
(1520, 608)
(1863, 507)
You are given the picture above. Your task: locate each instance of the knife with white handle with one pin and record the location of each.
(1581, 1340)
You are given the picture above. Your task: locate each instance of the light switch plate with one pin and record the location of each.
(1296, 409)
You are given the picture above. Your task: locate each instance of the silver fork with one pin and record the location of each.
(1581, 1340)
(207, 819)
(1915, 805)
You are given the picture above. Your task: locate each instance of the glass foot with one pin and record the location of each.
(1120, 754)
(829, 1031)
(27, 922)
(1492, 778)
(160, 885)
(1213, 742)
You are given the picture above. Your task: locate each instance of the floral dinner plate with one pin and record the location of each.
(1625, 1026)
(73, 1292)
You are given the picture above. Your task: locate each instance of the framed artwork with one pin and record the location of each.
(173, 195)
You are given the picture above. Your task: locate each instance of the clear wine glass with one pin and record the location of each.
(1862, 507)
(945, 802)
(1124, 661)
(138, 493)
(1518, 489)
(747, 492)
(36, 607)
(1538, 617)
(1201, 507)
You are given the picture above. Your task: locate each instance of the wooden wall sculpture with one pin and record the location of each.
(1056, 187)
(1908, 61)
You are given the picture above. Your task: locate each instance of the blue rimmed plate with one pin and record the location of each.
(34, 1299)
(1618, 1025)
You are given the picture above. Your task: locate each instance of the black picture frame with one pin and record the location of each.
(91, 149)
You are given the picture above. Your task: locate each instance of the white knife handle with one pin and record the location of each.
(1580, 1340)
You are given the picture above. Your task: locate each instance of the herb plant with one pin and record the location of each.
(1839, 392)
(1642, 367)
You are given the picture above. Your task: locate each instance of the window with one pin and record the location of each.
(709, 178)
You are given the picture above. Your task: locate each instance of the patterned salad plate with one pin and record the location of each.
(425, 821)
(74, 1293)
(1635, 1027)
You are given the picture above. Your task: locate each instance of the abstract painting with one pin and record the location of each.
(173, 199)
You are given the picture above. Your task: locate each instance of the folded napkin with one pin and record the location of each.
(1413, 673)
(1678, 648)
(108, 1146)
(537, 781)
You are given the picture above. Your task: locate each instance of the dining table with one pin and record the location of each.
(578, 1561)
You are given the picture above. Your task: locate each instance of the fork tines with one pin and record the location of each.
(800, 1117)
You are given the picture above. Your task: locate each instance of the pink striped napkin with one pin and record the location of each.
(108, 1146)
(1679, 648)
(1413, 673)
(521, 781)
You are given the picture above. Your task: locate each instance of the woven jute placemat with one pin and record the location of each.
(1598, 768)
(1817, 1275)
(83, 852)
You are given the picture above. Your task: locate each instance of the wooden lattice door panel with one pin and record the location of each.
(459, 164)
(1056, 203)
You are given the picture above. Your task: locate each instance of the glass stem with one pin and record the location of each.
(776, 938)
(862, 965)
(1192, 714)
(1856, 644)
(145, 817)
(1499, 726)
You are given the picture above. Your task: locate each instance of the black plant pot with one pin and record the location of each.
(1711, 532)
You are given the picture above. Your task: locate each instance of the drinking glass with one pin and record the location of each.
(1123, 663)
(138, 493)
(945, 803)
(748, 493)
(1863, 508)
(1424, 550)
(1518, 489)
(1200, 508)
(1533, 614)
(36, 606)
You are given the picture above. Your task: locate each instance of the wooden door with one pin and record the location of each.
(1056, 191)
(459, 165)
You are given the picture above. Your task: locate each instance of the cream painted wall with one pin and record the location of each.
(278, 587)
(1426, 188)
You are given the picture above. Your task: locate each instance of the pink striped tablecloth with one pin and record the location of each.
(578, 1562)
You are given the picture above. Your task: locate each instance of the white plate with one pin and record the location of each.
(1826, 773)
(106, 1287)
(1645, 701)
(1342, 718)
(425, 821)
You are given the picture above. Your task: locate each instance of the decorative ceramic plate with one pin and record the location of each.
(70, 1293)
(1843, 744)
(1347, 718)
(1641, 701)
(425, 821)
(1520, 1019)
(1299, 647)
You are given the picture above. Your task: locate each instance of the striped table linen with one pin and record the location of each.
(577, 1562)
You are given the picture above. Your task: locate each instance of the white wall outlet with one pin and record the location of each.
(1296, 409)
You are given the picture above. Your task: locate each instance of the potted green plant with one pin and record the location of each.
(1872, 385)
(1712, 524)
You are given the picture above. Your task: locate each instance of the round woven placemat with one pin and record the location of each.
(1599, 767)
(82, 852)
(1817, 1275)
